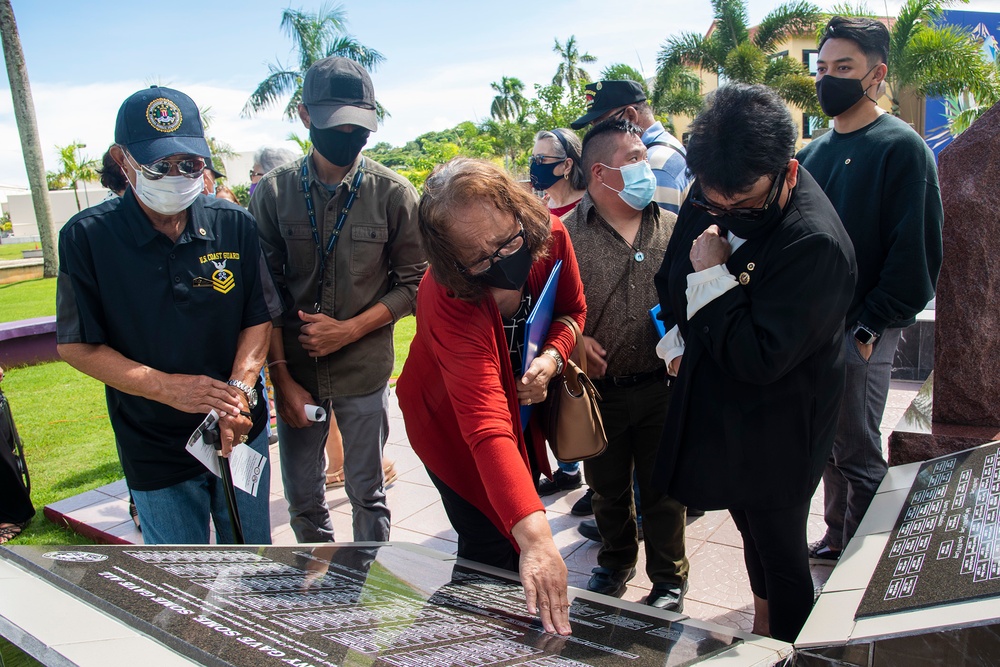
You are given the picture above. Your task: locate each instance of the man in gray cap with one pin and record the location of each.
(340, 233)
(163, 296)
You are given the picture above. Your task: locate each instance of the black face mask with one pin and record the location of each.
(837, 95)
(752, 229)
(340, 148)
(509, 272)
(543, 176)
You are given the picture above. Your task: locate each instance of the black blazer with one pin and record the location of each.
(757, 397)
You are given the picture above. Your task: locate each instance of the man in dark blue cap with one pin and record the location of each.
(163, 297)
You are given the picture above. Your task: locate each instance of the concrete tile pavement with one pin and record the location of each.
(719, 589)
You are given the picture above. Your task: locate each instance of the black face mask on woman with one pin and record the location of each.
(509, 272)
(837, 94)
(340, 148)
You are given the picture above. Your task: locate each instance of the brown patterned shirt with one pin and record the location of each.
(618, 288)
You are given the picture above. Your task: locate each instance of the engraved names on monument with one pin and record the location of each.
(945, 546)
(335, 605)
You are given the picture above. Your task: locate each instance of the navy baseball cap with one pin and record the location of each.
(338, 91)
(603, 96)
(158, 122)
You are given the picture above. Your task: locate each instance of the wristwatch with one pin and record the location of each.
(864, 335)
(552, 352)
(247, 390)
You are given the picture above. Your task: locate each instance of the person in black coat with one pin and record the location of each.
(753, 289)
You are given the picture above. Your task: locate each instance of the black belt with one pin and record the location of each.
(625, 381)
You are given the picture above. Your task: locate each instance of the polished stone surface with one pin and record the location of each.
(943, 546)
(337, 605)
(967, 347)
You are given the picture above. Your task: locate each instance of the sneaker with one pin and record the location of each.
(561, 481)
(692, 511)
(821, 553)
(589, 530)
(585, 505)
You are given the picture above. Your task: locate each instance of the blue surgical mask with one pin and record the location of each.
(639, 184)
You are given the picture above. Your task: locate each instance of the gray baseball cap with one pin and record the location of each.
(338, 91)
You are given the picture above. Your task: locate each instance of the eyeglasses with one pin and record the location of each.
(749, 214)
(537, 159)
(257, 174)
(189, 167)
(506, 249)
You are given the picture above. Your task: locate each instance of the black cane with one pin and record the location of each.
(212, 438)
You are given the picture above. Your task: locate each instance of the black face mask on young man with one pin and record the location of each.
(837, 94)
(340, 148)
(509, 272)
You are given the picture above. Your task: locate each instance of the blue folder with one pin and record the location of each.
(661, 328)
(537, 327)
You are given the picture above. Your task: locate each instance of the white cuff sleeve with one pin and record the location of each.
(670, 346)
(705, 286)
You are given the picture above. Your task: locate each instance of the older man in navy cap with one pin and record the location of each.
(163, 296)
(339, 231)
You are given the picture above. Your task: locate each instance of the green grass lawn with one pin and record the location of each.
(27, 299)
(62, 416)
(13, 250)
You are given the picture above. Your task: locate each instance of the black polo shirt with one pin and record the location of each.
(176, 307)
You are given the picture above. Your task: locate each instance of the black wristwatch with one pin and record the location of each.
(248, 391)
(864, 335)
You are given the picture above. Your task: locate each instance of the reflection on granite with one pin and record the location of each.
(336, 605)
(918, 437)
(914, 358)
(967, 647)
(968, 300)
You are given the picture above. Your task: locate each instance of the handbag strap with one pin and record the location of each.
(581, 353)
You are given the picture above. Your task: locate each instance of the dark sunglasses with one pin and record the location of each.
(749, 214)
(189, 167)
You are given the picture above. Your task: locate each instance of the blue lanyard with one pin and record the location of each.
(335, 235)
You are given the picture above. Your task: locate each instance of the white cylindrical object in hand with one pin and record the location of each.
(315, 413)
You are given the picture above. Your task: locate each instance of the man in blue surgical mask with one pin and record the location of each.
(163, 296)
(881, 177)
(619, 234)
(339, 231)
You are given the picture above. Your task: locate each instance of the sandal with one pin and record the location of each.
(389, 471)
(134, 513)
(9, 531)
(335, 478)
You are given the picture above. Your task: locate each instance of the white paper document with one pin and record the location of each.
(245, 464)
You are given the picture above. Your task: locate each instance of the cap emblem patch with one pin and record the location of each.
(164, 115)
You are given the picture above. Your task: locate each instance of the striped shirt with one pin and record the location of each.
(669, 167)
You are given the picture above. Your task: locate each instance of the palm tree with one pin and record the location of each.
(304, 144)
(73, 168)
(27, 129)
(735, 55)
(569, 71)
(509, 104)
(317, 35)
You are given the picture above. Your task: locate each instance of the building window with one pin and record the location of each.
(809, 59)
(810, 124)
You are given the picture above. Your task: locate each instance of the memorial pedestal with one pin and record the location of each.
(917, 437)
(325, 606)
(920, 582)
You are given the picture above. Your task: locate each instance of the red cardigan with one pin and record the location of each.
(458, 394)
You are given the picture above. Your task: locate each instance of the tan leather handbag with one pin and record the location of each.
(575, 427)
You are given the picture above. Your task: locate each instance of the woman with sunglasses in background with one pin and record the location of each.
(754, 288)
(492, 246)
(557, 169)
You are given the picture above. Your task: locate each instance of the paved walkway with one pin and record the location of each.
(719, 588)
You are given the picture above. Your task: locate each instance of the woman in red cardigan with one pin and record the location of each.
(491, 246)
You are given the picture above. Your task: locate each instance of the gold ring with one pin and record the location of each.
(244, 439)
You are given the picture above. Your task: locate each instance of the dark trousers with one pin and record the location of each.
(478, 538)
(777, 559)
(633, 421)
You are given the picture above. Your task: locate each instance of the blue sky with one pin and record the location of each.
(85, 58)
